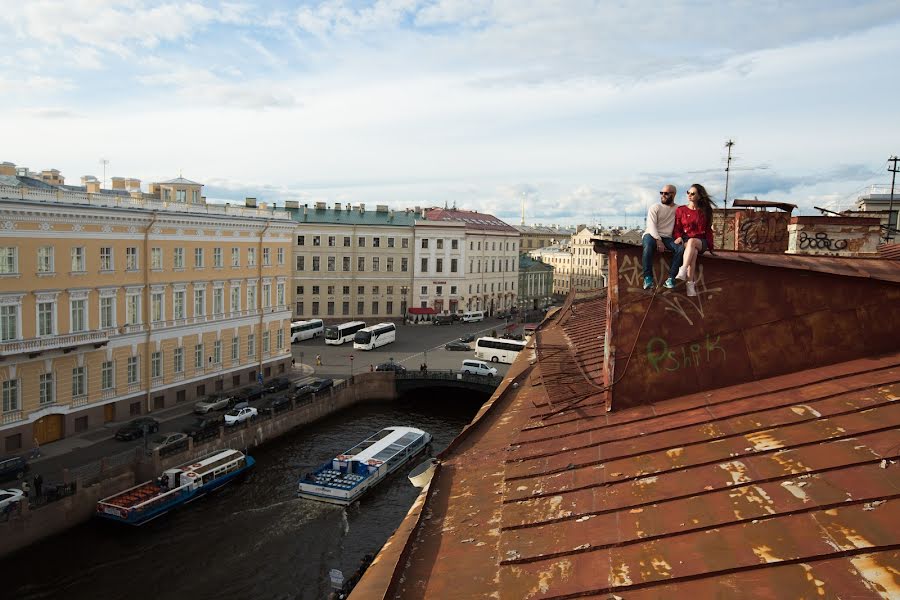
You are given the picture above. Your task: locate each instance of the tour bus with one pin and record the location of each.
(303, 330)
(528, 330)
(344, 332)
(472, 316)
(374, 336)
(498, 350)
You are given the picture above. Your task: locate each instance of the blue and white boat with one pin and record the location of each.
(176, 486)
(348, 476)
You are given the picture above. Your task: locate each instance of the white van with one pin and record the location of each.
(478, 367)
(473, 316)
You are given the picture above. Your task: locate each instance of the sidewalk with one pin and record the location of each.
(106, 431)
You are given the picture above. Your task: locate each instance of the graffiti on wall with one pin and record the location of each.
(762, 232)
(820, 241)
(662, 358)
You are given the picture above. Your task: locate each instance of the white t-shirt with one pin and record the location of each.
(661, 220)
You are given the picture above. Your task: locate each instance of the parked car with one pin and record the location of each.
(513, 336)
(165, 441)
(10, 497)
(134, 429)
(239, 415)
(315, 387)
(214, 402)
(478, 367)
(501, 314)
(276, 385)
(442, 320)
(13, 467)
(248, 394)
(277, 404)
(204, 427)
(467, 338)
(391, 366)
(456, 345)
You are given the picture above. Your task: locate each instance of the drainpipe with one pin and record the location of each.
(146, 308)
(262, 314)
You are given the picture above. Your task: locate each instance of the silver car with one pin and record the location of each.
(213, 403)
(164, 440)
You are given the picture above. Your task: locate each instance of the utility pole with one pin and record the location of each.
(728, 145)
(104, 162)
(890, 231)
(523, 208)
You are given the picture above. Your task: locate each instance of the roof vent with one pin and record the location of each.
(250, 202)
(292, 204)
(362, 208)
(321, 206)
(382, 208)
(337, 206)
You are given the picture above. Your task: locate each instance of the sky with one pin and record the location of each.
(582, 109)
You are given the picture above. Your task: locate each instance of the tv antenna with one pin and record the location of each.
(104, 162)
(728, 169)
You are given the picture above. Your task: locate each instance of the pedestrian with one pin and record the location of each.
(318, 360)
(371, 368)
(26, 488)
(38, 484)
(693, 234)
(658, 235)
(293, 362)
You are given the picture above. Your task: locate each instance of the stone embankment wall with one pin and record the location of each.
(35, 524)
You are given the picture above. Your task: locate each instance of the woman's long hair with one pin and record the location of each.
(703, 202)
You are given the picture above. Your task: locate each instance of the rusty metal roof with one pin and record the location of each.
(889, 251)
(784, 486)
(741, 203)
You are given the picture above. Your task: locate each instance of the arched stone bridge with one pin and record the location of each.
(414, 380)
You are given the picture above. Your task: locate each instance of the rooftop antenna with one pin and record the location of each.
(523, 208)
(728, 145)
(104, 162)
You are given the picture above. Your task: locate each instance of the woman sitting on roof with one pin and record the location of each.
(693, 234)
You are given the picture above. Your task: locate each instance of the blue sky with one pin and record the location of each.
(584, 108)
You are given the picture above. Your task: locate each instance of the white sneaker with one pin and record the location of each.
(682, 273)
(691, 289)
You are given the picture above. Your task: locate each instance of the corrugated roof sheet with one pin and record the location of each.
(473, 220)
(889, 251)
(353, 217)
(777, 487)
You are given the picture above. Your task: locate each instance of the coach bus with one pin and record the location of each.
(498, 350)
(303, 330)
(344, 332)
(375, 336)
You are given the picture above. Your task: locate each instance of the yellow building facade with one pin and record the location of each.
(116, 303)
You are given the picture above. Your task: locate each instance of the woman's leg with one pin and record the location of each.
(692, 248)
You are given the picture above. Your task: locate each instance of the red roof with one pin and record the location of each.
(473, 220)
(769, 474)
(889, 251)
(420, 311)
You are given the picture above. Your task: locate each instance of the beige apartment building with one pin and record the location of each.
(351, 263)
(116, 303)
(534, 237)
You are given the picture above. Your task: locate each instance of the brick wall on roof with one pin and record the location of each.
(834, 236)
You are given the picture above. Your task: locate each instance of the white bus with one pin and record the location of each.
(498, 350)
(473, 316)
(374, 336)
(338, 334)
(303, 330)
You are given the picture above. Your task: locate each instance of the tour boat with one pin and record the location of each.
(176, 486)
(348, 476)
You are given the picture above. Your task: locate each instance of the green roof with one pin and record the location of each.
(526, 263)
(399, 218)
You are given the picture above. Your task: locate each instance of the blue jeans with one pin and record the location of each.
(678, 259)
(649, 244)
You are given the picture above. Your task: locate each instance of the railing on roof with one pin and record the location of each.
(881, 190)
(145, 203)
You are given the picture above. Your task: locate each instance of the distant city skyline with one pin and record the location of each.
(583, 110)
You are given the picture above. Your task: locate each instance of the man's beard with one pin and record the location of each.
(668, 200)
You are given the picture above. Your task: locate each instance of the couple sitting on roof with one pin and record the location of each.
(685, 230)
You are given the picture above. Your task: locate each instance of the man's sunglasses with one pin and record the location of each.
(666, 193)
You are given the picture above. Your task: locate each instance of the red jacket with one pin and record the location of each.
(692, 224)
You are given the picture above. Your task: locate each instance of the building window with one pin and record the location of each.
(267, 257)
(132, 369)
(315, 263)
(439, 290)
(454, 244)
(251, 345)
(361, 242)
(107, 373)
(404, 243)
(360, 263)
(301, 263)
(178, 304)
(345, 263)
(9, 260)
(390, 308)
(156, 259)
(440, 244)
(375, 289)
(178, 360)
(280, 256)
(331, 262)
(79, 316)
(265, 341)
(390, 290)
(424, 242)
(346, 241)
(390, 242)
(376, 242)
(45, 259)
(424, 265)
(315, 308)
(317, 240)
(360, 290)
(376, 263)
(156, 307)
(10, 395)
(375, 307)
(198, 258)
(45, 389)
(132, 309)
(251, 296)
(79, 382)
(315, 290)
(332, 241)
(452, 290)
(217, 258)
(346, 290)
(279, 339)
(78, 260)
(131, 258)
(390, 264)
(217, 352)
(156, 364)
(107, 312)
(424, 290)
(235, 257)
(301, 240)
(404, 265)
(198, 356)
(180, 195)
(199, 302)
(439, 267)
(299, 308)
(218, 301)
(360, 308)
(45, 319)
(178, 258)
(235, 348)
(251, 257)
(235, 297)
(454, 265)
(330, 290)
(345, 308)
(266, 295)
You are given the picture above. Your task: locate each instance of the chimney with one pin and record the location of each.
(321, 206)
(362, 208)
(291, 204)
(118, 183)
(91, 185)
(136, 194)
(132, 184)
(337, 206)
(250, 202)
(8, 168)
(349, 208)
(85, 179)
(391, 214)
(52, 177)
(382, 208)
(154, 189)
(305, 210)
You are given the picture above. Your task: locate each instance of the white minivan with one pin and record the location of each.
(473, 316)
(478, 367)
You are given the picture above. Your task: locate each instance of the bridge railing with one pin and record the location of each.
(449, 375)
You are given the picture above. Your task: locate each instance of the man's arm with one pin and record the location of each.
(652, 217)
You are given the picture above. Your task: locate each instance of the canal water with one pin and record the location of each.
(253, 539)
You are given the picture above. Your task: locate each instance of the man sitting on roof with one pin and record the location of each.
(658, 235)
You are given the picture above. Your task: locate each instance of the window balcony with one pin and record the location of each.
(134, 387)
(67, 342)
(80, 400)
(12, 416)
